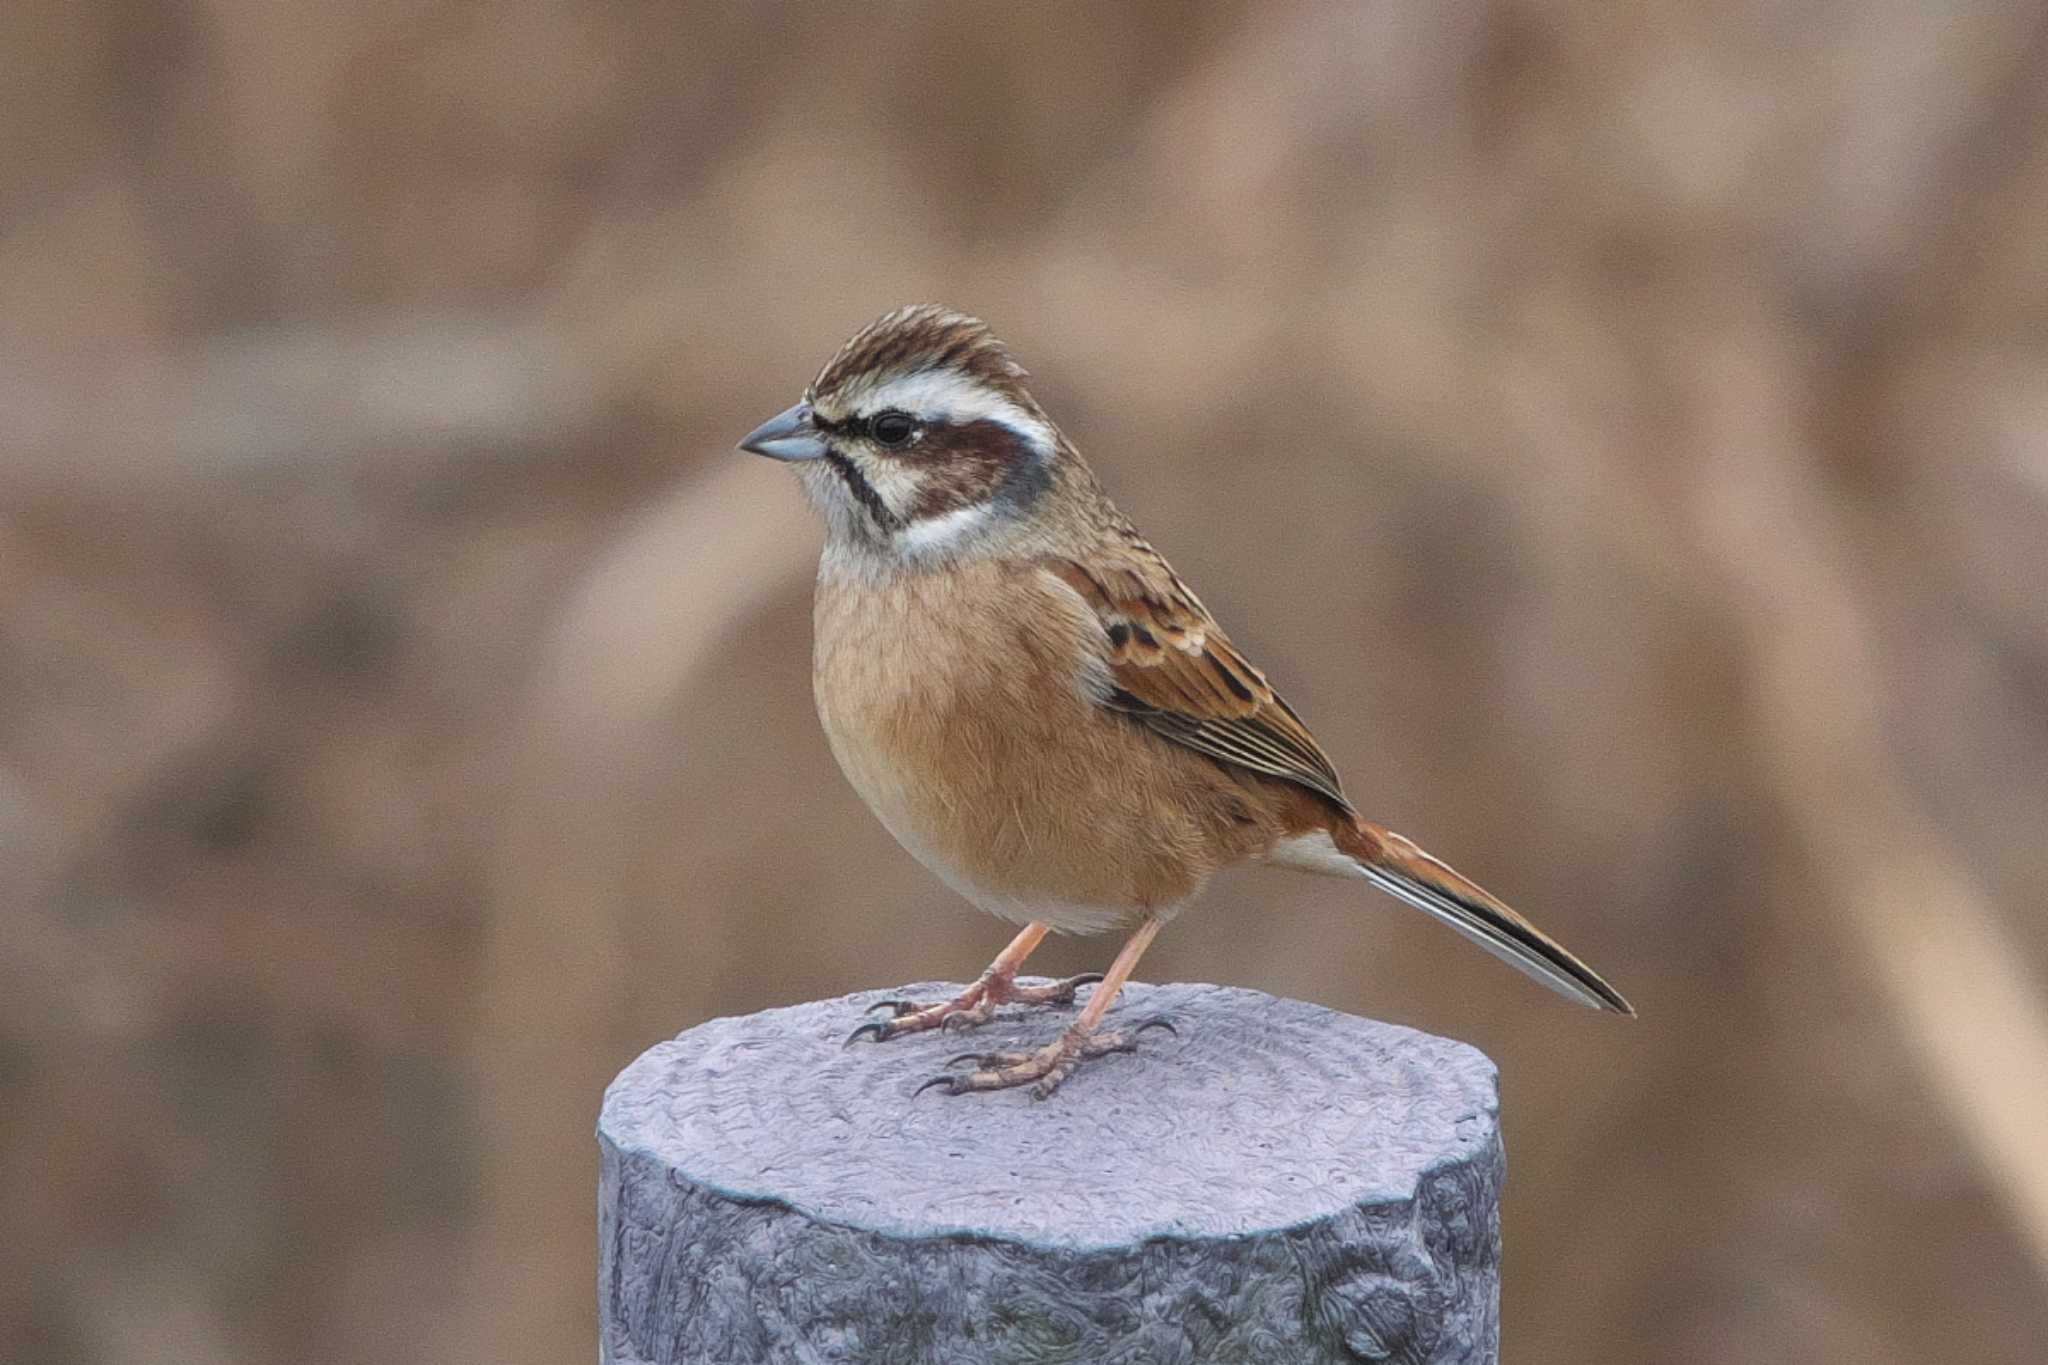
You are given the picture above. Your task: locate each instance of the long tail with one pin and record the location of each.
(1398, 867)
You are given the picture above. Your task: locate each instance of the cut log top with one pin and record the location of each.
(1277, 1182)
(1260, 1113)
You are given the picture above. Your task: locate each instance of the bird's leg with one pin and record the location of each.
(1044, 1069)
(977, 1004)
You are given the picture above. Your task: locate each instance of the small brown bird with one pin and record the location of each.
(1037, 707)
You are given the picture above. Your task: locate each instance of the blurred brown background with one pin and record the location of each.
(1622, 430)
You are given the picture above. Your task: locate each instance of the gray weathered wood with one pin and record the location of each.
(1277, 1183)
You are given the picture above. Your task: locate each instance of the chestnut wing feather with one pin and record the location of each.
(1174, 670)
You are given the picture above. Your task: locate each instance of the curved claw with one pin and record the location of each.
(946, 1081)
(1073, 983)
(1158, 1021)
(980, 1059)
(880, 1030)
(897, 1008)
(958, 1023)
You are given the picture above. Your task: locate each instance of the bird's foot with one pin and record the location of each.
(971, 1008)
(1005, 990)
(1042, 1070)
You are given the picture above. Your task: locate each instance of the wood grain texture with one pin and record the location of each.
(1278, 1183)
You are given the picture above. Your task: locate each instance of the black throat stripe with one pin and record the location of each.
(864, 492)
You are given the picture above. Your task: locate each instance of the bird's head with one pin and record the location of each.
(919, 441)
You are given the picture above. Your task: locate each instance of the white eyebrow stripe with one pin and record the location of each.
(949, 396)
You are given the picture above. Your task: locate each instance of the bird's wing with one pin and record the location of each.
(1173, 669)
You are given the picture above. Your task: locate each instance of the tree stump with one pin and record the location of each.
(1277, 1182)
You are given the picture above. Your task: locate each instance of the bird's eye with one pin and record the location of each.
(892, 428)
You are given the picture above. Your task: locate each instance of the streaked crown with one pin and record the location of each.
(920, 339)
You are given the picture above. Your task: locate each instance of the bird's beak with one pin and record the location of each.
(788, 435)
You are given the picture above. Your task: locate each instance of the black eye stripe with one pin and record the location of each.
(857, 426)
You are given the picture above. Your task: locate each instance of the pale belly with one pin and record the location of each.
(994, 879)
(977, 748)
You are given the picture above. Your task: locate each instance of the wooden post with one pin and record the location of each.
(1275, 1183)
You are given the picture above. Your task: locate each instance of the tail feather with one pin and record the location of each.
(1401, 869)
